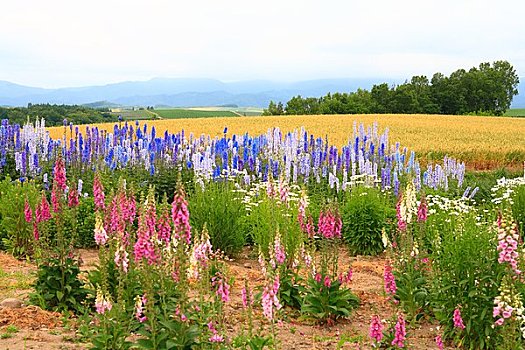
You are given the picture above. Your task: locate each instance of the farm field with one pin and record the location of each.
(159, 239)
(178, 113)
(515, 112)
(481, 142)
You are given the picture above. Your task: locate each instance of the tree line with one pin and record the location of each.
(55, 114)
(484, 90)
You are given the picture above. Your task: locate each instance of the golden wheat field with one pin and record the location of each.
(482, 142)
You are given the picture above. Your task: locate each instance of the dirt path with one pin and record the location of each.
(37, 329)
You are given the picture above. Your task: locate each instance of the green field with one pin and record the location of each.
(177, 113)
(515, 112)
(135, 115)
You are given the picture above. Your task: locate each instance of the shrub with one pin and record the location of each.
(16, 233)
(364, 216)
(219, 208)
(518, 208)
(467, 275)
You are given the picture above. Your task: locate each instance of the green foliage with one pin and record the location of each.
(291, 290)
(484, 90)
(55, 114)
(220, 209)
(518, 208)
(85, 223)
(364, 216)
(256, 342)
(16, 234)
(467, 275)
(412, 288)
(58, 286)
(324, 303)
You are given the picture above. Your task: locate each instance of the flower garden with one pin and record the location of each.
(170, 215)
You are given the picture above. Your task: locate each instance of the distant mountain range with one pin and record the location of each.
(190, 92)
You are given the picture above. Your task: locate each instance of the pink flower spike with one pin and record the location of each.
(458, 321)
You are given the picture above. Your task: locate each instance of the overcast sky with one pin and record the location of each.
(73, 43)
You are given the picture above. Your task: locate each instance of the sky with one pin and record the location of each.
(71, 43)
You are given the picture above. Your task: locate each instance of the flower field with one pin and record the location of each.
(324, 233)
(481, 142)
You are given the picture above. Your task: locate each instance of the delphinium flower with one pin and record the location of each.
(28, 213)
(439, 342)
(458, 321)
(102, 302)
(181, 216)
(101, 237)
(400, 332)
(390, 281)
(269, 299)
(140, 308)
(508, 243)
(98, 193)
(376, 329)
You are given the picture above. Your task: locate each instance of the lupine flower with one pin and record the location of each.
(439, 342)
(28, 213)
(400, 333)
(102, 303)
(458, 321)
(98, 193)
(390, 281)
(140, 308)
(376, 329)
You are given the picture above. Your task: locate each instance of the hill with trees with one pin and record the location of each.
(487, 89)
(55, 114)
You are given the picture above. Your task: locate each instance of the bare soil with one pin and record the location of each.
(43, 330)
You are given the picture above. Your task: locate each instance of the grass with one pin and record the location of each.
(11, 282)
(515, 112)
(482, 142)
(178, 113)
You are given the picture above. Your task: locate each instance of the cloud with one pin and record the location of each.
(61, 43)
